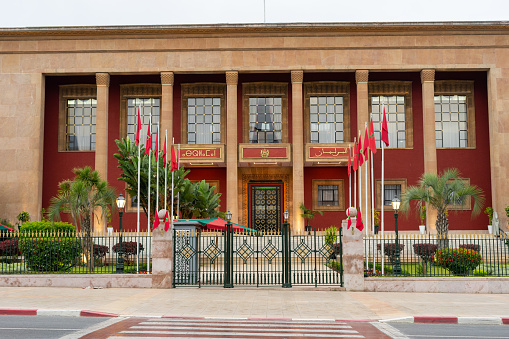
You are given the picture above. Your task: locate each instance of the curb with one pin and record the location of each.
(450, 320)
(61, 313)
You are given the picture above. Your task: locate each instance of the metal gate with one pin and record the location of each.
(264, 259)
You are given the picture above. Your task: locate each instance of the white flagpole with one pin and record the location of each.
(355, 181)
(359, 177)
(139, 197)
(165, 166)
(172, 195)
(148, 180)
(350, 178)
(366, 180)
(157, 176)
(178, 194)
(382, 201)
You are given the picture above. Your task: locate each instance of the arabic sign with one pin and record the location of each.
(328, 152)
(264, 152)
(211, 153)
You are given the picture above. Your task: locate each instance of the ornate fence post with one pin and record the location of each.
(353, 257)
(162, 257)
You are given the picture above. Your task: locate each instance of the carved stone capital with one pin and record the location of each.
(427, 75)
(361, 76)
(232, 78)
(102, 79)
(297, 77)
(167, 78)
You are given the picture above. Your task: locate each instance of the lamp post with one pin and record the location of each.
(397, 264)
(120, 258)
(228, 279)
(286, 252)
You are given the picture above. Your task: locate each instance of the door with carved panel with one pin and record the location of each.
(265, 206)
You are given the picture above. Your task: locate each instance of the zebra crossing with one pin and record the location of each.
(239, 328)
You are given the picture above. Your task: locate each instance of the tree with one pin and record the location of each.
(441, 191)
(308, 214)
(80, 197)
(197, 200)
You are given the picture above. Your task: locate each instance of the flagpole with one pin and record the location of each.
(157, 176)
(178, 193)
(355, 180)
(172, 193)
(149, 132)
(166, 171)
(366, 179)
(349, 179)
(382, 191)
(139, 179)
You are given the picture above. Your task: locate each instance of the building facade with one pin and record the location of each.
(265, 113)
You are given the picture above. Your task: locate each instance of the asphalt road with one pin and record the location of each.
(444, 331)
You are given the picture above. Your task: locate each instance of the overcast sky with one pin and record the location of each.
(42, 13)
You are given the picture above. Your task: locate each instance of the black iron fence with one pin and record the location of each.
(429, 255)
(264, 259)
(70, 253)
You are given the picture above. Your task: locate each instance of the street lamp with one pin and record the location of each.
(228, 237)
(120, 258)
(286, 251)
(397, 264)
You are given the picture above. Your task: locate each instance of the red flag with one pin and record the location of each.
(349, 220)
(167, 222)
(366, 144)
(138, 128)
(355, 157)
(359, 225)
(372, 143)
(359, 152)
(156, 221)
(385, 130)
(174, 161)
(156, 148)
(349, 161)
(148, 144)
(164, 153)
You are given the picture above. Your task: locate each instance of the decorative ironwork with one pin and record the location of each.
(302, 250)
(270, 251)
(266, 208)
(212, 251)
(245, 251)
(187, 251)
(326, 250)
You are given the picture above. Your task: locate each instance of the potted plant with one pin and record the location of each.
(108, 223)
(376, 216)
(489, 212)
(422, 215)
(308, 214)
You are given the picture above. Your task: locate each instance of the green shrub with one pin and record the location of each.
(459, 261)
(50, 254)
(47, 226)
(479, 273)
(390, 250)
(331, 235)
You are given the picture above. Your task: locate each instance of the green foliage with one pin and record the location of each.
(331, 235)
(47, 226)
(390, 250)
(308, 214)
(479, 273)
(425, 251)
(507, 210)
(198, 200)
(47, 254)
(489, 212)
(23, 217)
(440, 191)
(377, 218)
(422, 214)
(459, 261)
(6, 222)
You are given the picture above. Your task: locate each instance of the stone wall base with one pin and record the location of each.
(86, 280)
(438, 285)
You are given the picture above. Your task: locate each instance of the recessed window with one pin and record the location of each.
(454, 114)
(204, 120)
(149, 108)
(265, 120)
(396, 97)
(328, 195)
(81, 124)
(393, 188)
(391, 192)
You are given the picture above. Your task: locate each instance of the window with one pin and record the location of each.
(463, 204)
(265, 117)
(393, 188)
(149, 108)
(148, 98)
(77, 118)
(203, 112)
(454, 114)
(327, 112)
(328, 195)
(396, 97)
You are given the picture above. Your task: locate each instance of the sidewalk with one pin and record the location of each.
(295, 303)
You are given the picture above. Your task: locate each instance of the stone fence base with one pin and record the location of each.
(86, 280)
(438, 285)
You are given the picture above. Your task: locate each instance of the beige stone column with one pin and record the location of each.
(101, 138)
(232, 193)
(298, 152)
(167, 80)
(353, 257)
(361, 78)
(162, 257)
(430, 143)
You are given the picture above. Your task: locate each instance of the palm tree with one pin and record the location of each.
(308, 214)
(441, 191)
(80, 197)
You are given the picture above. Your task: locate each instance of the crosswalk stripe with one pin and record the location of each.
(267, 334)
(270, 329)
(236, 321)
(245, 324)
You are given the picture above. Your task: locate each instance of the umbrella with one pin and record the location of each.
(219, 224)
(5, 228)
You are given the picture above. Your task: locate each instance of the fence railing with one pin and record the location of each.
(70, 253)
(429, 255)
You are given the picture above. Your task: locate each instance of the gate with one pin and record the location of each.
(231, 259)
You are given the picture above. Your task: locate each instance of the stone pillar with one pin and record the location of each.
(298, 151)
(430, 143)
(232, 185)
(167, 79)
(101, 141)
(363, 109)
(162, 256)
(353, 257)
